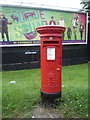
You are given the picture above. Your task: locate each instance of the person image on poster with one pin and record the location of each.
(4, 26)
(81, 29)
(75, 22)
(0, 25)
(77, 17)
(61, 22)
(52, 21)
(69, 33)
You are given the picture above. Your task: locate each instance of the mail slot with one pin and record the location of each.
(51, 60)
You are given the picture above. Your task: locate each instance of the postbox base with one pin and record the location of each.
(50, 96)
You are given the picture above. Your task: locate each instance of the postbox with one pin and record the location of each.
(51, 60)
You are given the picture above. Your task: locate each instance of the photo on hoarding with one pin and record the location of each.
(18, 25)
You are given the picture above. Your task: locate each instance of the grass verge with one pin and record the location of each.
(19, 99)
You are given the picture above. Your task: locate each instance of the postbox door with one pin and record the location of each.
(51, 79)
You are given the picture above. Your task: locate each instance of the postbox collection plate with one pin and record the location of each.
(51, 53)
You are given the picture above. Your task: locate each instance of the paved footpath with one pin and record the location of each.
(45, 112)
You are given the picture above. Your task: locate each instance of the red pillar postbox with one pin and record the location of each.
(51, 60)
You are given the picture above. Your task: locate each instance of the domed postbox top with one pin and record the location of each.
(50, 29)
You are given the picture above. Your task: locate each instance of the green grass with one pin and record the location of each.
(19, 99)
(75, 92)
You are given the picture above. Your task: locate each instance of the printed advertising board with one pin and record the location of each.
(18, 25)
